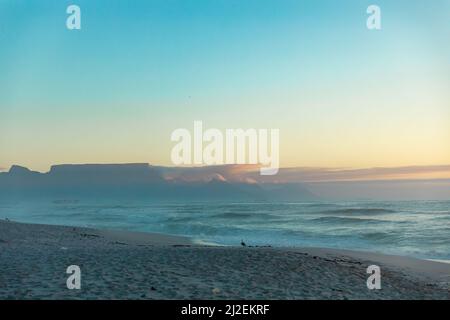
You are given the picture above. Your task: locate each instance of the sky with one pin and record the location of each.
(342, 96)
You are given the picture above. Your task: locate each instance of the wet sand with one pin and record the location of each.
(129, 265)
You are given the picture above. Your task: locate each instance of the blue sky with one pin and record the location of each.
(113, 91)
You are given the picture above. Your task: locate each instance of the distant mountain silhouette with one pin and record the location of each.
(137, 180)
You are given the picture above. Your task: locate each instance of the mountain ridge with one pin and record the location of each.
(139, 180)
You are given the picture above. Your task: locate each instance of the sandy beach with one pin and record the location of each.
(128, 265)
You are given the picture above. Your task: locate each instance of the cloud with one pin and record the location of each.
(377, 173)
(234, 173)
(245, 173)
(345, 174)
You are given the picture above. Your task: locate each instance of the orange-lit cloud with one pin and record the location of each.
(245, 173)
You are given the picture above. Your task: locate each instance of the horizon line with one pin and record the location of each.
(307, 174)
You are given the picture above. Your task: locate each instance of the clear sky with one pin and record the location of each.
(341, 95)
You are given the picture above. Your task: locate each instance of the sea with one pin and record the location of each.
(419, 229)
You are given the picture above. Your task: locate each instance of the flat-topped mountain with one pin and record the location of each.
(105, 173)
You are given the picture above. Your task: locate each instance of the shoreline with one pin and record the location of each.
(124, 265)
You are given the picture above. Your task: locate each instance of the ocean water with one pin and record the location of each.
(412, 228)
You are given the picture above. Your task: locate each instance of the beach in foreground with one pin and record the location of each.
(125, 265)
